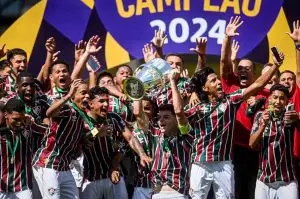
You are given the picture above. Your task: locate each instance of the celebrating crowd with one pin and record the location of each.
(198, 136)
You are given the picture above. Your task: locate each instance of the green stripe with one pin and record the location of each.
(220, 134)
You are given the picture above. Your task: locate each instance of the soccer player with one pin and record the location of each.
(101, 159)
(61, 144)
(272, 133)
(17, 59)
(145, 113)
(35, 105)
(16, 155)
(170, 146)
(213, 123)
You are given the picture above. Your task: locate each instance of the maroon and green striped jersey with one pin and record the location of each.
(143, 174)
(7, 85)
(124, 109)
(16, 156)
(62, 142)
(55, 94)
(276, 162)
(98, 158)
(213, 125)
(171, 159)
(164, 96)
(37, 110)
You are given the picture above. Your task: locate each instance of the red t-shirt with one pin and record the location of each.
(243, 124)
(295, 99)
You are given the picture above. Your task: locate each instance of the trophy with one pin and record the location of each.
(150, 76)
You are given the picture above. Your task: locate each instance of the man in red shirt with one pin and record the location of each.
(245, 169)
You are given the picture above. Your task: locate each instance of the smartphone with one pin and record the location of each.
(276, 54)
(94, 63)
(290, 107)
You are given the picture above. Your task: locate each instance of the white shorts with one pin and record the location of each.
(55, 184)
(97, 189)
(168, 195)
(276, 190)
(77, 170)
(218, 174)
(142, 193)
(26, 194)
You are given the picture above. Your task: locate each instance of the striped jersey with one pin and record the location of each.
(15, 158)
(171, 162)
(213, 125)
(62, 141)
(37, 110)
(164, 96)
(124, 109)
(98, 158)
(276, 162)
(7, 85)
(143, 174)
(55, 94)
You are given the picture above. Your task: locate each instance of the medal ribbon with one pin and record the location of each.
(13, 150)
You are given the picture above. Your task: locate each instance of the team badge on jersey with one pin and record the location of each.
(52, 191)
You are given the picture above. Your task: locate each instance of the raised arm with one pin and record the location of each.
(295, 36)
(234, 50)
(177, 101)
(91, 47)
(3, 51)
(53, 110)
(225, 62)
(44, 72)
(158, 42)
(136, 146)
(260, 83)
(200, 49)
(148, 53)
(141, 118)
(258, 129)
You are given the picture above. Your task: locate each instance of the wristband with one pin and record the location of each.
(184, 129)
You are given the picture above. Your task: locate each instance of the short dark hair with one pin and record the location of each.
(167, 107)
(123, 65)
(14, 104)
(3, 64)
(280, 87)
(97, 91)
(176, 55)
(15, 51)
(289, 71)
(198, 81)
(24, 74)
(104, 74)
(50, 69)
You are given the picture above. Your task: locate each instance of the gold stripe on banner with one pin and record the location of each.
(19, 35)
(88, 3)
(114, 53)
(277, 37)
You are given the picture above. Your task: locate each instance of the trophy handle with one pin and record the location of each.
(134, 88)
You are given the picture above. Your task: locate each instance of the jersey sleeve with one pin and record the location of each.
(236, 97)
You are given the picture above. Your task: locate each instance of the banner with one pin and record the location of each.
(132, 22)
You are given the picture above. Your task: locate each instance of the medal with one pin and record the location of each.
(94, 131)
(12, 150)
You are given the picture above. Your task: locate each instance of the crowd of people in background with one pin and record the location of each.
(199, 136)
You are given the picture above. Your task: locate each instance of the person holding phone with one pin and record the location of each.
(272, 133)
